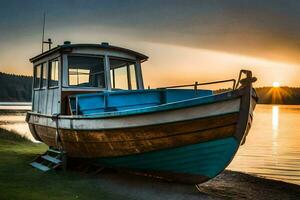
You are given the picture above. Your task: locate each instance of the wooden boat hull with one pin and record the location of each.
(194, 140)
(120, 142)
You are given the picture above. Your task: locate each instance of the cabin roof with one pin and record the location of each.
(68, 46)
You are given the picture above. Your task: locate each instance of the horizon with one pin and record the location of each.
(196, 41)
(263, 86)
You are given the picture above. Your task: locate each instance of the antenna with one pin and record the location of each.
(49, 42)
(43, 36)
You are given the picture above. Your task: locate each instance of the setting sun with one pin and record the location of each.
(276, 84)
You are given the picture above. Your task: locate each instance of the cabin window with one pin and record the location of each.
(44, 75)
(53, 78)
(133, 77)
(86, 71)
(122, 74)
(37, 76)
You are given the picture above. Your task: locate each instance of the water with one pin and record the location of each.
(15, 106)
(12, 118)
(272, 148)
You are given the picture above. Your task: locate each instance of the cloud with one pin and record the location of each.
(266, 29)
(257, 28)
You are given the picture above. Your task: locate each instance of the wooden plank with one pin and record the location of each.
(246, 109)
(47, 135)
(142, 139)
(149, 132)
(121, 148)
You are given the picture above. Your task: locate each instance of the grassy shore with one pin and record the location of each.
(18, 180)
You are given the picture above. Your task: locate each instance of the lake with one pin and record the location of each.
(15, 106)
(272, 148)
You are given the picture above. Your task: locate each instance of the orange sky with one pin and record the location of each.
(186, 41)
(183, 65)
(173, 64)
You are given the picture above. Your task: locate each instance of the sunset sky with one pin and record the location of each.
(187, 41)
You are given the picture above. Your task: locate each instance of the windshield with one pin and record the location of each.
(122, 74)
(86, 71)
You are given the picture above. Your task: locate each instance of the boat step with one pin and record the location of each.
(40, 166)
(55, 151)
(51, 159)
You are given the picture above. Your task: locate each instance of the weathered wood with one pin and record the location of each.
(150, 132)
(47, 135)
(128, 141)
(105, 149)
(247, 107)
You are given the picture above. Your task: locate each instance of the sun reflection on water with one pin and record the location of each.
(272, 146)
(275, 118)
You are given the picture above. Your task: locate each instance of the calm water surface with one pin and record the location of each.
(272, 148)
(15, 106)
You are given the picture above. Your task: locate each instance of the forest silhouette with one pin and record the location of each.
(17, 88)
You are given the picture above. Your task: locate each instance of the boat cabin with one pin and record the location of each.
(96, 79)
(70, 69)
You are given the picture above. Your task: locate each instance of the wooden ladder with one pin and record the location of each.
(52, 159)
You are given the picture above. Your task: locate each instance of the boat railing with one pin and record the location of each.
(235, 84)
(196, 84)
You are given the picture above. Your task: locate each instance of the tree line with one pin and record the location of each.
(15, 88)
(18, 88)
(281, 95)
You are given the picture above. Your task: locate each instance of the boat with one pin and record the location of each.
(89, 101)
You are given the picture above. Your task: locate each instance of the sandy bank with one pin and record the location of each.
(228, 185)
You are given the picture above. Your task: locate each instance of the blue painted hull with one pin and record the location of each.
(206, 159)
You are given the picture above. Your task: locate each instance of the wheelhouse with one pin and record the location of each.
(82, 68)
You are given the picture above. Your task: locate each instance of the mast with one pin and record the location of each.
(43, 35)
(49, 42)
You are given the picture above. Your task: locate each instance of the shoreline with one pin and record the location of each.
(13, 111)
(227, 185)
(241, 185)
